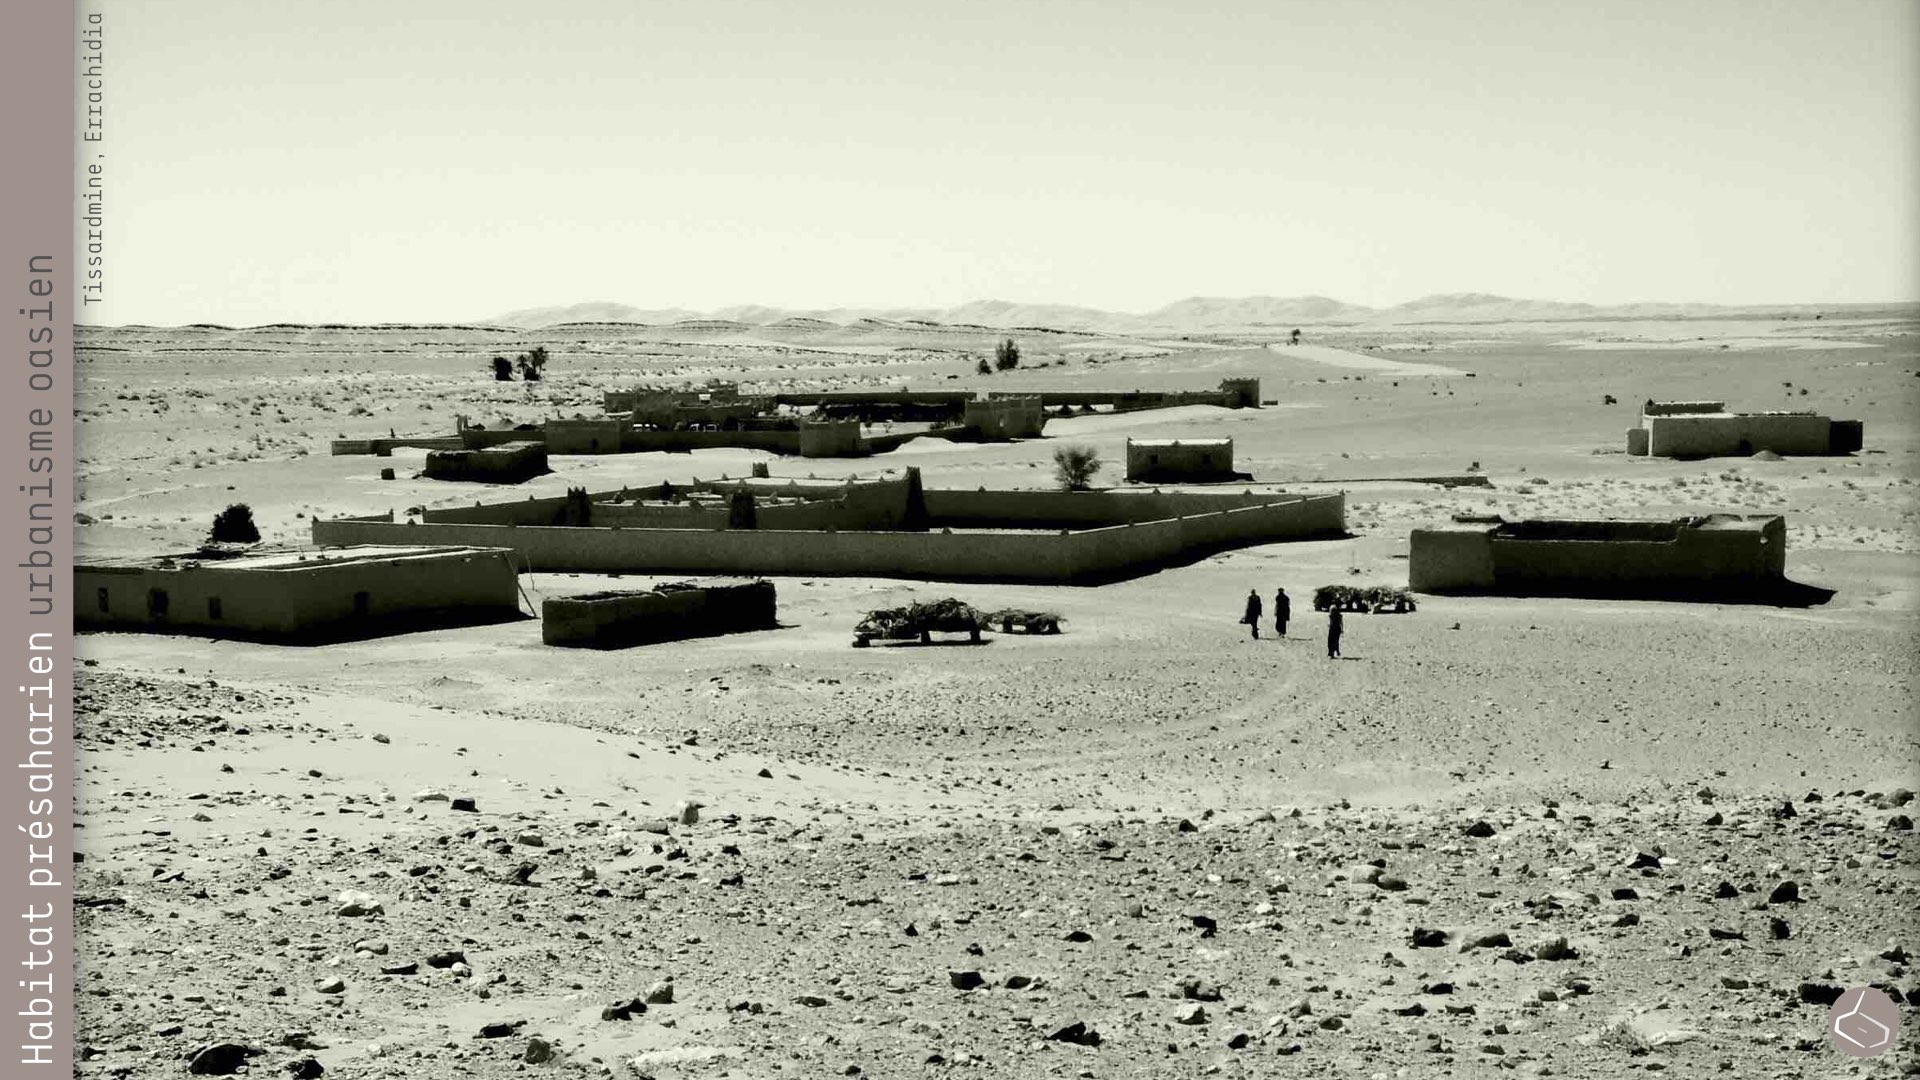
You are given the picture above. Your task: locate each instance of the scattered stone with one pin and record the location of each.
(660, 993)
(1424, 938)
(331, 986)
(446, 959)
(466, 804)
(305, 1068)
(1555, 949)
(1480, 829)
(1191, 1016)
(625, 1010)
(539, 1052)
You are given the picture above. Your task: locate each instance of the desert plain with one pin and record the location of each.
(1548, 837)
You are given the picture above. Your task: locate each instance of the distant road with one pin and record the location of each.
(1342, 358)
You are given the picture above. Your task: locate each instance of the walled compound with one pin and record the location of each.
(835, 425)
(1696, 429)
(357, 590)
(887, 527)
(1599, 557)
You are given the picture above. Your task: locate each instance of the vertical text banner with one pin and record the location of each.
(38, 42)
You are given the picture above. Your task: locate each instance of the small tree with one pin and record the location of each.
(1294, 338)
(234, 525)
(532, 362)
(982, 367)
(1006, 355)
(502, 369)
(1074, 466)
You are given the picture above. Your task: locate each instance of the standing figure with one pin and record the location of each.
(1282, 611)
(1252, 617)
(1333, 634)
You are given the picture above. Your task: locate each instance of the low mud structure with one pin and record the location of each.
(669, 612)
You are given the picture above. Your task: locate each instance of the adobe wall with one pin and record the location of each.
(1442, 559)
(583, 436)
(1637, 441)
(831, 438)
(1698, 556)
(385, 447)
(1722, 436)
(278, 603)
(473, 438)
(507, 464)
(610, 619)
(1845, 437)
(1036, 556)
(1089, 509)
(1200, 459)
(641, 440)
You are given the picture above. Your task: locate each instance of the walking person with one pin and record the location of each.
(1333, 634)
(1282, 611)
(1252, 617)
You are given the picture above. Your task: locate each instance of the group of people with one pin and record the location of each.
(1282, 612)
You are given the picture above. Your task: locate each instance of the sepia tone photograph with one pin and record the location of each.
(679, 540)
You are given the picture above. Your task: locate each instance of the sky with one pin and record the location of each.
(433, 160)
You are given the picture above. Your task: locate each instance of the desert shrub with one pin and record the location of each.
(1074, 467)
(532, 363)
(1006, 355)
(983, 368)
(234, 525)
(502, 369)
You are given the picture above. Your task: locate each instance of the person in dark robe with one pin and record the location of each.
(1282, 611)
(1333, 633)
(1252, 617)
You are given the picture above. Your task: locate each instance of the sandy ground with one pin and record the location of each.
(1163, 849)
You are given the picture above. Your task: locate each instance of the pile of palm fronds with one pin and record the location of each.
(1033, 622)
(1375, 599)
(917, 619)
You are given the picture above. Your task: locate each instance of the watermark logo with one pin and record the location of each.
(1864, 1023)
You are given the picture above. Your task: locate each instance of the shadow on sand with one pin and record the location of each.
(1782, 593)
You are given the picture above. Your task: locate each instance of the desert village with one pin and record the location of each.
(775, 701)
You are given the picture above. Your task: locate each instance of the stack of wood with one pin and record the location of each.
(1373, 599)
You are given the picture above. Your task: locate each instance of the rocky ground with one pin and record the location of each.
(1568, 838)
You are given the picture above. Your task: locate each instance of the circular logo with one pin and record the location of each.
(1863, 1023)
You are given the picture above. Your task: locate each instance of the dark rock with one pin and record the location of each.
(1787, 892)
(466, 804)
(1079, 937)
(1718, 934)
(1625, 893)
(1644, 861)
(625, 1010)
(1555, 949)
(966, 980)
(221, 1059)
(305, 1068)
(1726, 891)
(1495, 940)
(660, 993)
(501, 1029)
(1077, 1033)
(1900, 823)
(1820, 993)
(1480, 829)
(1424, 938)
(1780, 929)
(400, 969)
(446, 959)
(1205, 925)
(539, 1051)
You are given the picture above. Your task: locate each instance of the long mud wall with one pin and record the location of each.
(936, 555)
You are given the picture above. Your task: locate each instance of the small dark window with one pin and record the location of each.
(361, 602)
(157, 603)
(213, 608)
(100, 598)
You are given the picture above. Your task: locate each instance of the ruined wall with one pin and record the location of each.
(289, 603)
(610, 619)
(386, 447)
(642, 440)
(601, 436)
(507, 464)
(1736, 433)
(1442, 559)
(831, 438)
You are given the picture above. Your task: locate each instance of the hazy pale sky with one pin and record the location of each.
(422, 160)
